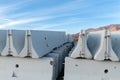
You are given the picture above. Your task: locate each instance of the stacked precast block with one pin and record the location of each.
(32, 54)
(95, 57)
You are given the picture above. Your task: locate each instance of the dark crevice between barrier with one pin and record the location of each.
(61, 75)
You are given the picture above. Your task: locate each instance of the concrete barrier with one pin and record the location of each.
(40, 43)
(115, 40)
(12, 68)
(105, 49)
(84, 69)
(18, 40)
(9, 49)
(81, 50)
(99, 44)
(28, 50)
(32, 54)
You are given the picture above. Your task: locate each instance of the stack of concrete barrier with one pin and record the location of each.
(32, 54)
(95, 57)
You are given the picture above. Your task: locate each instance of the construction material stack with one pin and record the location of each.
(32, 54)
(95, 57)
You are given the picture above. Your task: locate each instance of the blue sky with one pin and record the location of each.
(59, 15)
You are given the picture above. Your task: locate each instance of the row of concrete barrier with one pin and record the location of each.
(95, 57)
(40, 55)
(99, 45)
(31, 43)
(33, 54)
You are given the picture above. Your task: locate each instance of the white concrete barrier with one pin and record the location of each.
(84, 69)
(45, 41)
(34, 54)
(99, 44)
(115, 40)
(40, 43)
(105, 49)
(28, 50)
(81, 50)
(12, 68)
(95, 44)
(9, 49)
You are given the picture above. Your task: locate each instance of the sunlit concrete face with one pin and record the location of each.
(12, 68)
(84, 69)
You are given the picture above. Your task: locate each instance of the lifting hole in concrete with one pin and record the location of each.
(17, 65)
(106, 71)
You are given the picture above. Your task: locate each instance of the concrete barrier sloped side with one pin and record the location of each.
(93, 42)
(81, 49)
(96, 43)
(44, 42)
(40, 43)
(115, 40)
(111, 54)
(3, 40)
(18, 39)
(9, 49)
(100, 46)
(53, 39)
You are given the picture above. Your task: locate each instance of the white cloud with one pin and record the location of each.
(23, 21)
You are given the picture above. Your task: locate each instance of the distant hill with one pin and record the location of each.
(111, 27)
